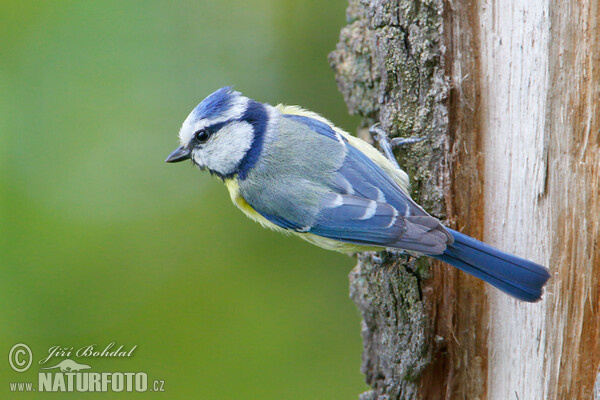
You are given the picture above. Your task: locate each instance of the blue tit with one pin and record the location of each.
(293, 171)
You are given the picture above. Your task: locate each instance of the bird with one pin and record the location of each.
(295, 172)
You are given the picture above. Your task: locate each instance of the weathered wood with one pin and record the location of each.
(541, 80)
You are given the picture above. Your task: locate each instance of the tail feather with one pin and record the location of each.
(516, 276)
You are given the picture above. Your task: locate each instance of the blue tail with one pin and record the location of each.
(514, 275)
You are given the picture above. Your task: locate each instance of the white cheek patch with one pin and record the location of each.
(226, 148)
(192, 124)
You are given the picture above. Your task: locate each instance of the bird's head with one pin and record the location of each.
(220, 131)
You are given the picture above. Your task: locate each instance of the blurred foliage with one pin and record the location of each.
(101, 241)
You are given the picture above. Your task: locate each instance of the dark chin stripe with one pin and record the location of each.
(256, 114)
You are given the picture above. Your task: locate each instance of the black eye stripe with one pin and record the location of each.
(215, 128)
(201, 136)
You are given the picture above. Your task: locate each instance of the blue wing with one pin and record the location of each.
(362, 221)
(371, 209)
(364, 206)
(360, 176)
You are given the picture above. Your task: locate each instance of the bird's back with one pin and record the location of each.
(280, 183)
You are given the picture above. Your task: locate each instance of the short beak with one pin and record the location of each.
(180, 154)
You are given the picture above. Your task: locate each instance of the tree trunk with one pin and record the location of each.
(508, 96)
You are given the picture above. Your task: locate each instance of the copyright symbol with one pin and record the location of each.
(20, 357)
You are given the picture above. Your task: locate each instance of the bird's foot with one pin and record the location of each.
(399, 142)
(386, 144)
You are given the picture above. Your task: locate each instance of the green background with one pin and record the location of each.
(101, 241)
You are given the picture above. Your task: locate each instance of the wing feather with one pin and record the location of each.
(371, 223)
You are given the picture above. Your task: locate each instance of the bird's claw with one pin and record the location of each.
(399, 142)
(386, 144)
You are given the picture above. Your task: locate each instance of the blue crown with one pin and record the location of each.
(217, 103)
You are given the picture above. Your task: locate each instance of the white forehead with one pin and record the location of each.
(193, 122)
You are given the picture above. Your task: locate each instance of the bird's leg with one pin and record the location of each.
(386, 144)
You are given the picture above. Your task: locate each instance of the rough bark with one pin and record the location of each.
(389, 66)
(507, 94)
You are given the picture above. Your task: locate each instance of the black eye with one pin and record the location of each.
(201, 135)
